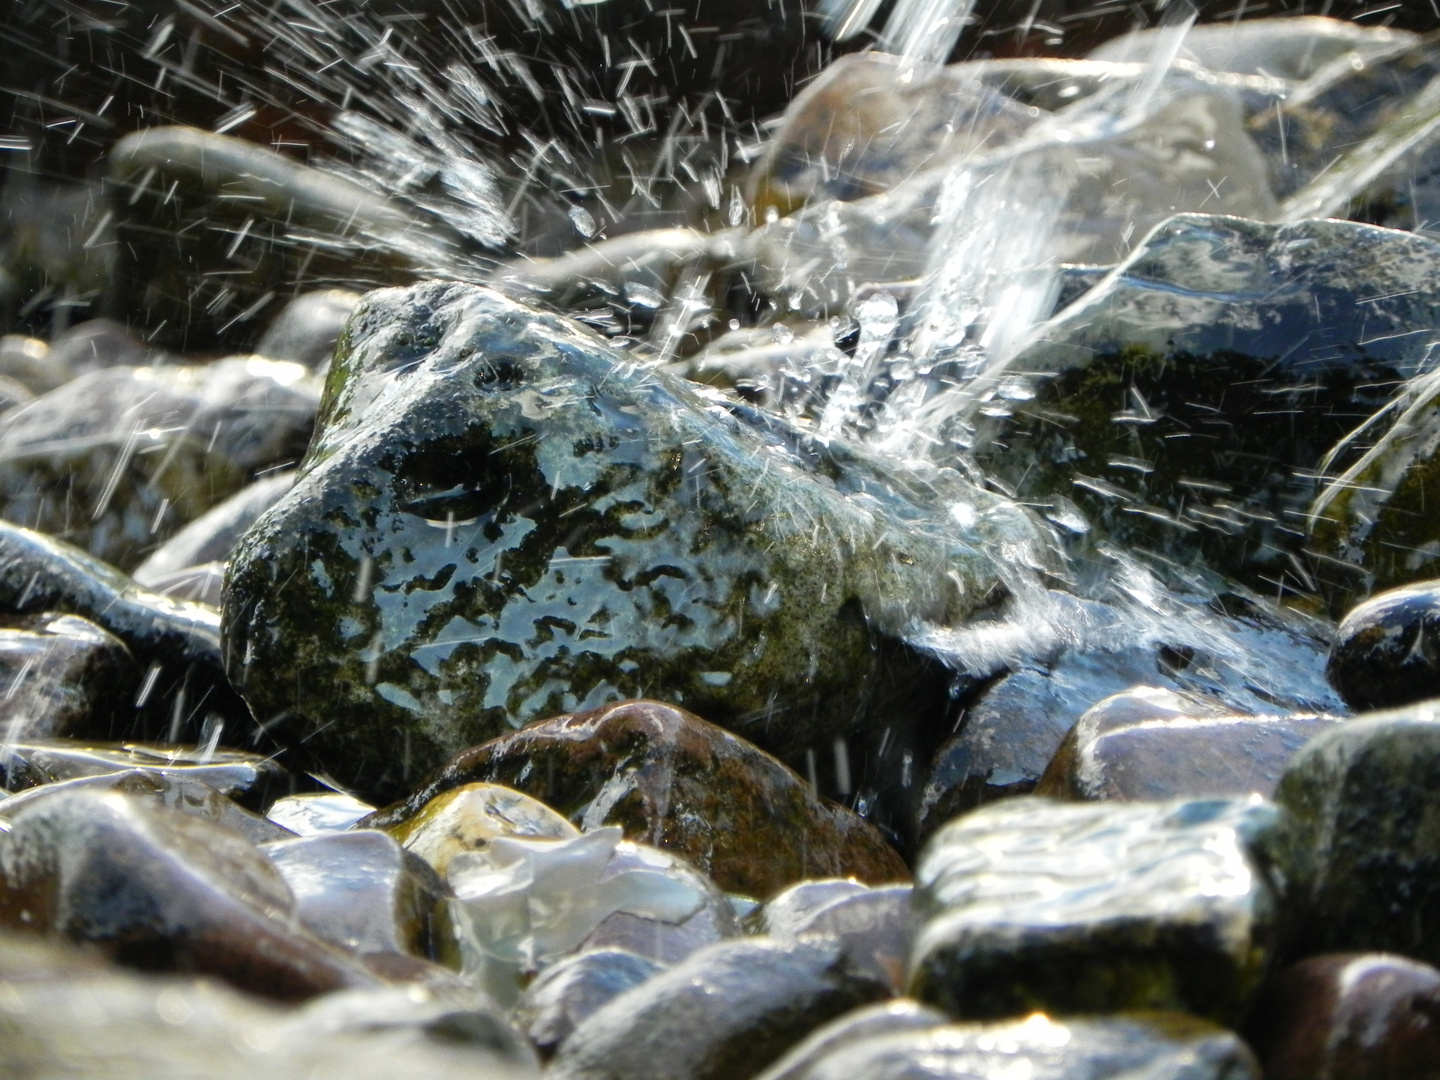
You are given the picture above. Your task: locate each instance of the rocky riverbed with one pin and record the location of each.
(786, 540)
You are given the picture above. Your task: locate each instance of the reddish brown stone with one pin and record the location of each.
(1350, 1016)
(675, 781)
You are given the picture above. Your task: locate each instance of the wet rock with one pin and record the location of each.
(467, 818)
(192, 206)
(784, 913)
(28, 361)
(117, 460)
(565, 994)
(1387, 649)
(91, 346)
(68, 1016)
(1349, 1016)
(1159, 1045)
(308, 327)
(210, 537)
(163, 891)
(172, 789)
(463, 574)
(523, 902)
(672, 780)
(728, 1011)
(875, 929)
(317, 813)
(871, 120)
(1030, 904)
(1357, 844)
(1155, 744)
(62, 676)
(889, 1018)
(360, 890)
(176, 646)
(248, 779)
(1196, 388)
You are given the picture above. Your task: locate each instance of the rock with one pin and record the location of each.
(467, 818)
(1196, 387)
(62, 675)
(463, 575)
(785, 912)
(163, 891)
(29, 362)
(1030, 904)
(173, 789)
(1387, 649)
(566, 993)
(524, 902)
(1349, 1016)
(307, 328)
(192, 206)
(360, 890)
(118, 459)
(888, 1018)
(211, 536)
(49, 274)
(728, 1011)
(1356, 843)
(1159, 1045)
(248, 779)
(875, 929)
(676, 782)
(68, 1016)
(91, 346)
(175, 645)
(1155, 744)
(318, 813)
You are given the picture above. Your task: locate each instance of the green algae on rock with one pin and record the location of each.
(1187, 397)
(503, 518)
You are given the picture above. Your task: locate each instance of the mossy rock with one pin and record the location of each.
(502, 518)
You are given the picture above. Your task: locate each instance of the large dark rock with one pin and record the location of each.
(119, 459)
(1185, 401)
(1164, 1046)
(675, 781)
(162, 891)
(1349, 1016)
(1387, 649)
(1358, 844)
(1030, 905)
(501, 518)
(727, 1012)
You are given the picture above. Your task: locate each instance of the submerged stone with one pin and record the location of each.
(1387, 649)
(1185, 400)
(1358, 844)
(676, 782)
(1030, 905)
(467, 818)
(119, 459)
(724, 1014)
(361, 890)
(565, 994)
(1155, 744)
(501, 518)
(1153, 1045)
(1349, 1016)
(162, 891)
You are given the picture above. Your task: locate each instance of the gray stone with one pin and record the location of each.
(566, 993)
(502, 519)
(727, 1012)
(63, 675)
(308, 327)
(1030, 904)
(888, 1018)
